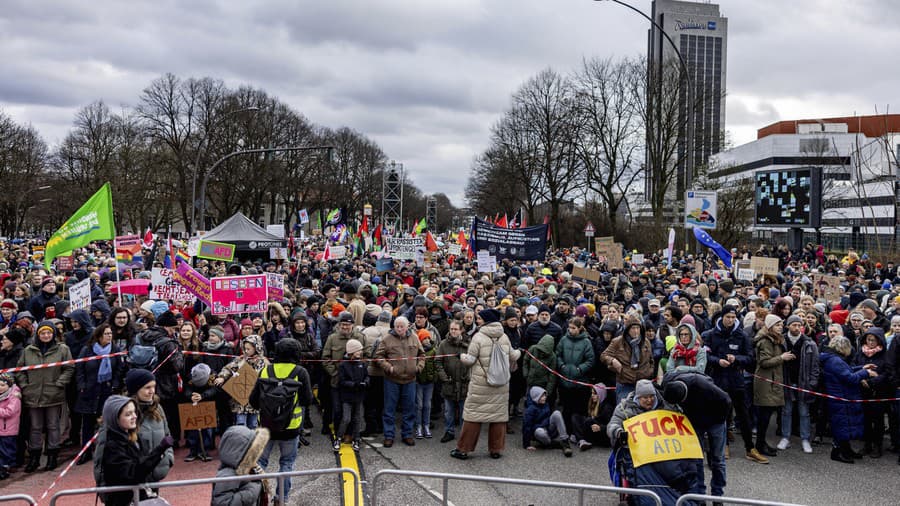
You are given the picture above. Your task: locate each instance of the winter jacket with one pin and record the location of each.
(536, 331)
(239, 451)
(9, 358)
(535, 374)
(721, 343)
(881, 386)
(353, 379)
(167, 375)
(486, 403)
(536, 415)
(841, 380)
(334, 349)
(373, 335)
(630, 407)
(679, 363)
(574, 358)
(78, 339)
(44, 387)
(769, 364)
(258, 362)
(39, 304)
(309, 348)
(91, 393)
(150, 433)
(620, 350)
(706, 404)
(428, 374)
(11, 412)
(100, 305)
(807, 364)
(453, 375)
(394, 346)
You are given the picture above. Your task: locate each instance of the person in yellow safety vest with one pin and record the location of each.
(285, 437)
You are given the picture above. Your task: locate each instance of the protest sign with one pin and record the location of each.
(37, 253)
(661, 435)
(240, 384)
(128, 252)
(239, 294)
(192, 281)
(197, 416)
(65, 264)
(454, 249)
(637, 259)
(164, 287)
(404, 248)
(763, 265)
(80, 295)
(384, 265)
(338, 252)
(610, 252)
(585, 275)
(278, 253)
(275, 285)
(212, 250)
(529, 243)
(746, 274)
(827, 287)
(486, 261)
(741, 264)
(276, 230)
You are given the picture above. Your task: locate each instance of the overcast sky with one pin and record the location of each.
(426, 79)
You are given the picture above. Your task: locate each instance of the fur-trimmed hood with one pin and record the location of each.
(241, 447)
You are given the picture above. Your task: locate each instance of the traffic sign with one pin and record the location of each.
(589, 229)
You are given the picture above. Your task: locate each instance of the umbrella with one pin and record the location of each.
(131, 286)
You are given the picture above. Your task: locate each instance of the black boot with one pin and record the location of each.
(52, 456)
(877, 451)
(837, 454)
(34, 461)
(4, 473)
(85, 458)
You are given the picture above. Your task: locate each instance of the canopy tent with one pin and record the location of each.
(249, 239)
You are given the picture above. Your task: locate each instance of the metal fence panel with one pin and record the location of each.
(18, 497)
(729, 500)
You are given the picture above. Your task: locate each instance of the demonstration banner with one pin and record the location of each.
(404, 248)
(128, 252)
(164, 286)
(192, 281)
(275, 284)
(528, 243)
(661, 435)
(239, 294)
(212, 250)
(454, 249)
(93, 221)
(486, 261)
(80, 295)
(384, 265)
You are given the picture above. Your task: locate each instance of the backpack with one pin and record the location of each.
(498, 370)
(277, 398)
(142, 356)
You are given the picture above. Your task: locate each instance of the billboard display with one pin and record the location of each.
(789, 197)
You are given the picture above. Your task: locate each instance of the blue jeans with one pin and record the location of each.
(424, 391)
(193, 441)
(716, 437)
(787, 414)
(288, 450)
(249, 420)
(450, 417)
(403, 396)
(8, 451)
(622, 391)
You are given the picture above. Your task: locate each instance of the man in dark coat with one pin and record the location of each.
(543, 325)
(45, 298)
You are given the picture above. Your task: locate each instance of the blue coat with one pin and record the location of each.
(723, 342)
(841, 380)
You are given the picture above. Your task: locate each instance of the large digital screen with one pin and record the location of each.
(788, 198)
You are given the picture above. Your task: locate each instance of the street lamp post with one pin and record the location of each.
(207, 174)
(197, 160)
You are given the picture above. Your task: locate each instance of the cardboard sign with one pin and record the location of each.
(741, 264)
(164, 287)
(275, 286)
(661, 435)
(454, 249)
(240, 385)
(404, 248)
(585, 275)
(239, 294)
(278, 253)
(65, 264)
(763, 265)
(192, 281)
(637, 259)
(197, 416)
(80, 295)
(212, 250)
(827, 287)
(746, 274)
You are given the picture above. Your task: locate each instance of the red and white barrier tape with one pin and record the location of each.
(62, 363)
(557, 373)
(206, 353)
(827, 396)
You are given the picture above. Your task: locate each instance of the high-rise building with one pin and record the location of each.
(701, 35)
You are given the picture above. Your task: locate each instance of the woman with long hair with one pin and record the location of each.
(123, 329)
(95, 381)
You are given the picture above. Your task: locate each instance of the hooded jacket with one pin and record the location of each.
(679, 363)
(453, 375)
(535, 374)
(167, 375)
(78, 339)
(258, 362)
(11, 412)
(574, 358)
(536, 415)
(45, 387)
(239, 451)
(103, 307)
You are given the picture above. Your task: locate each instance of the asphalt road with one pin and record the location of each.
(791, 477)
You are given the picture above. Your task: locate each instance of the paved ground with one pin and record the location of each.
(791, 477)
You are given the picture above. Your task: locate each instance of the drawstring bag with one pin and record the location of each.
(498, 370)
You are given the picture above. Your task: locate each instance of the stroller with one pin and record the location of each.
(669, 480)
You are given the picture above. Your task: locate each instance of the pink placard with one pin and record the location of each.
(193, 281)
(239, 294)
(275, 283)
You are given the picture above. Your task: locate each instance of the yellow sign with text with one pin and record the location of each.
(661, 435)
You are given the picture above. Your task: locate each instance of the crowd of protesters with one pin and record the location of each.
(414, 347)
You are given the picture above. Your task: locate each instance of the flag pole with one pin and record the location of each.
(118, 270)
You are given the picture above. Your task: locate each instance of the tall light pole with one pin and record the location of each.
(203, 139)
(207, 174)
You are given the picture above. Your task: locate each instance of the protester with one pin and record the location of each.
(454, 377)
(768, 392)
(400, 356)
(253, 355)
(95, 381)
(10, 412)
(843, 381)
(353, 378)
(239, 453)
(540, 427)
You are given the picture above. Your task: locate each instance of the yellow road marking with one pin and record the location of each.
(349, 459)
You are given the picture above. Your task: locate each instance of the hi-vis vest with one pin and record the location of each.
(283, 371)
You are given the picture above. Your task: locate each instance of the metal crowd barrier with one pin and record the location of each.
(278, 477)
(729, 500)
(18, 497)
(445, 482)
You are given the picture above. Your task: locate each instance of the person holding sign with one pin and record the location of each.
(254, 355)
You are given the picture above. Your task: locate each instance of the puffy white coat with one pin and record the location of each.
(486, 404)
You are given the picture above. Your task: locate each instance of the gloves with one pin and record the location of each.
(622, 438)
(166, 443)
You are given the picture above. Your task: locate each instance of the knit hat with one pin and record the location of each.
(17, 335)
(337, 309)
(159, 307)
(46, 324)
(790, 319)
(147, 305)
(581, 311)
(489, 315)
(166, 319)
(510, 313)
(353, 346)
(385, 317)
(200, 375)
(727, 285)
(644, 387)
(544, 308)
(218, 331)
(136, 379)
(869, 303)
(8, 379)
(10, 304)
(246, 322)
(772, 320)
(675, 391)
(600, 390)
(423, 334)
(46, 281)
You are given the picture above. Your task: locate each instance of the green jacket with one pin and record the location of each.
(453, 375)
(769, 364)
(42, 388)
(334, 349)
(575, 357)
(535, 374)
(428, 373)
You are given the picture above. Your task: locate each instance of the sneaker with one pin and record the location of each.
(191, 458)
(807, 448)
(447, 437)
(584, 445)
(427, 432)
(355, 445)
(566, 448)
(757, 457)
(419, 432)
(336, 445)
(784, 444)
(205, 458)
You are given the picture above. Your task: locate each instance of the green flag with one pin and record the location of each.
(91, 222)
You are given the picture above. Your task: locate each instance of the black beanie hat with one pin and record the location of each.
(489, 315)
(167, 319)
(136, 379)
(510, 313)
(675, 391)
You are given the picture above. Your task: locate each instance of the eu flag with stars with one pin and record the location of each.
(706, 240)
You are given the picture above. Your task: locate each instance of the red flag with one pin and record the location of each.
(496, 219)
(148, 238)
(430, 244)
(376, 235)
(326, 255)
(503, 223)
(549, 226)
(461, 239)
(364, 228)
